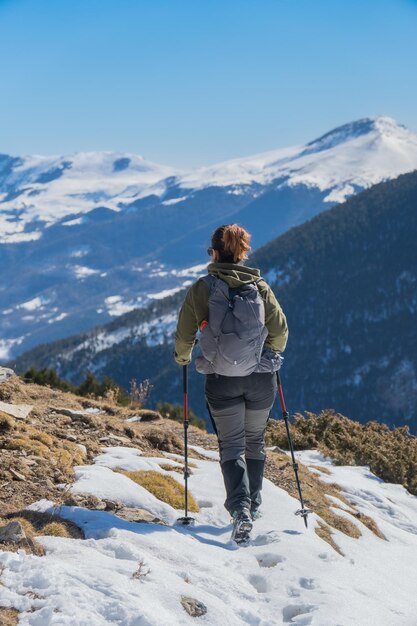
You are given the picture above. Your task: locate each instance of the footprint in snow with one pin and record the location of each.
(249, 617)
(307, 583)
(262, 540)
(298, 614)
(260, 583)
(205, 504)
(269, 560)
(293, 592)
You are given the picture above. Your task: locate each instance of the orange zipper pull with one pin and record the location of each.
(203, 324)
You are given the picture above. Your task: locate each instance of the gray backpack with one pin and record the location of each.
(232, 339)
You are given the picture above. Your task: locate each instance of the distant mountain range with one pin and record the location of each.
(347, 280)
(89, 236)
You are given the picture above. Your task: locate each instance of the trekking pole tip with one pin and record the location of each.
(304, 514)
(185, 521)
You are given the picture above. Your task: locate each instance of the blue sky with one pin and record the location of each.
(187, 82)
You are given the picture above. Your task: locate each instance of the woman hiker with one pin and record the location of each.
(243, 330)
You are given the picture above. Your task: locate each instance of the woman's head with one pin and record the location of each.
(231, 243)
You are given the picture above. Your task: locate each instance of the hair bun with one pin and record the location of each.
(236, 242)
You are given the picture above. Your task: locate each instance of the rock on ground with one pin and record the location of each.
(5, 373)
(19, 411)
(194, 607)
(12, 533)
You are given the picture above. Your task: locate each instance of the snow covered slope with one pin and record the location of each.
(358, 154)
(38, 191)
(288, 575)
(86, 236)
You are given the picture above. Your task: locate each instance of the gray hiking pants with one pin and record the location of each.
(239, 408)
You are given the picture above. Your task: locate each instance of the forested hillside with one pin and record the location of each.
(347, 282)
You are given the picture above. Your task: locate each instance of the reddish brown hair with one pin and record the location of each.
(232, 242)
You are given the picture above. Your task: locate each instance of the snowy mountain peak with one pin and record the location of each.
(350, 157)
(382, 125)
(388, 126)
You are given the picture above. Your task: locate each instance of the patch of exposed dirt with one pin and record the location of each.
(37, 454)
(8, 617)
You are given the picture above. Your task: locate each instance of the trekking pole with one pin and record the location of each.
(303, 511)
(186, 520)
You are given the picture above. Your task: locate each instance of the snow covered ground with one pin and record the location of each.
(288, 575)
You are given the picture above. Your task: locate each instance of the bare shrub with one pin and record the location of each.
(111, 395)
(142, 570)
(162, 439)
(139, 394)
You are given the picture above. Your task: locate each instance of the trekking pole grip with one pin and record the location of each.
(281, 396)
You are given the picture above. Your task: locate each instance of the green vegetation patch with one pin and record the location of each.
(89, 387)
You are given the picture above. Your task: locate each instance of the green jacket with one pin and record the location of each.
(195, 309)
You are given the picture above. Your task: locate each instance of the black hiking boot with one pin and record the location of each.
(255, 474)
(242, 525)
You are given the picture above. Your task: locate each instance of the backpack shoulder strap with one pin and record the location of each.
(210, 281)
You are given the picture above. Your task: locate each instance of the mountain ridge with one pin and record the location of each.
(37, 170)
(109, 241)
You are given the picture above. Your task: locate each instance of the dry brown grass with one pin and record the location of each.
(163, 439)
(56, 529)
(44, 448)
(163, 487)
(175, 468)
(44, 438)
(390, 454)
(8, 617)
(172, 468)
(31, 446)
(324, 531)
(61, 453)
(36, 523)
(369, 523)
(323, 470)
(6, 422)
(17, 391)
(279, 470)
